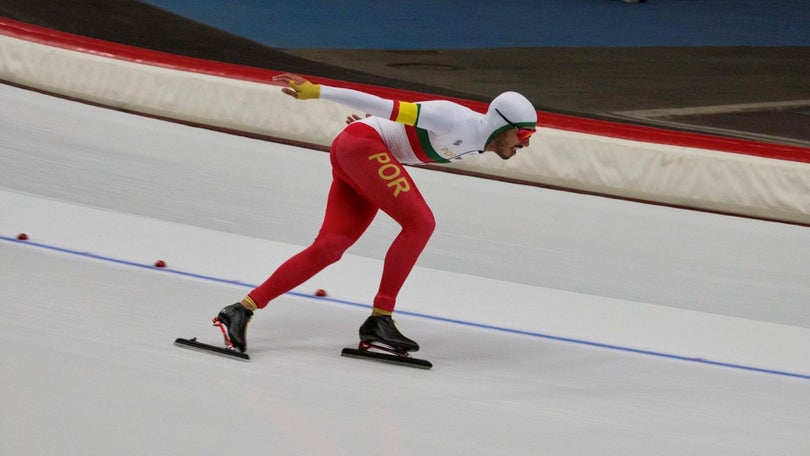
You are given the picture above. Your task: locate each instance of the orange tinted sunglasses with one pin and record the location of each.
(522, 133)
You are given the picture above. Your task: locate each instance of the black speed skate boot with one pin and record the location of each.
(233, 321)
(382, 329)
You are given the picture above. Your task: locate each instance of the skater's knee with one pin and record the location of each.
(422, 226)
(330, 247)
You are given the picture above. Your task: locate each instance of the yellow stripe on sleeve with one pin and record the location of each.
(408, 113)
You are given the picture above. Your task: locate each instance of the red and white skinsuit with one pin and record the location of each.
(367, 158)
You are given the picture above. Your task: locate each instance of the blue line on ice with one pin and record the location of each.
(414, 314)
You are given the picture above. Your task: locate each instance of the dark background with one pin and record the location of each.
(610, 81)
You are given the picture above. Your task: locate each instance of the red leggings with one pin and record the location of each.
(366, 178)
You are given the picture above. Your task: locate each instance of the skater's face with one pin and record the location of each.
(508, 142)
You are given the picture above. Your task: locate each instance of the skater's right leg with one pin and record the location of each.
(347, 216)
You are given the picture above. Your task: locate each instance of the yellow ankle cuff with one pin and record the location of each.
(249, 304)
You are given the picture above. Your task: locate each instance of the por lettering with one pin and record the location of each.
(390, 172)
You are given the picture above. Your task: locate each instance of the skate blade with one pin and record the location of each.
(193, 344)
(387, 357)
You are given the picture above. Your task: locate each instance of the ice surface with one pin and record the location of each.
(87, 364)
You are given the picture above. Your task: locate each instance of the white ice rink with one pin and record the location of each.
(557, 323)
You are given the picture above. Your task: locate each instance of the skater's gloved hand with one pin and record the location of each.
(297, 87)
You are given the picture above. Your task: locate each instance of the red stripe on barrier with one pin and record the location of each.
(124, 52)
(632, 132)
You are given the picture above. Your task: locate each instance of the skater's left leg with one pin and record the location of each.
(417, 226)
(384, 182)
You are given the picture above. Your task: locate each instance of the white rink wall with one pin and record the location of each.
(700, 178)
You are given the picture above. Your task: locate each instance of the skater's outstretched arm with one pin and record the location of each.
(436, 116)
(302, 89)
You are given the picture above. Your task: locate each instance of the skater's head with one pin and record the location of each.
(512, 120)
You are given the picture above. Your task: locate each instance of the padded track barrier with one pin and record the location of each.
(733, 176)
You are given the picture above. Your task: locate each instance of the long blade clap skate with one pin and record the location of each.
(378, 351)
(380, 340)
